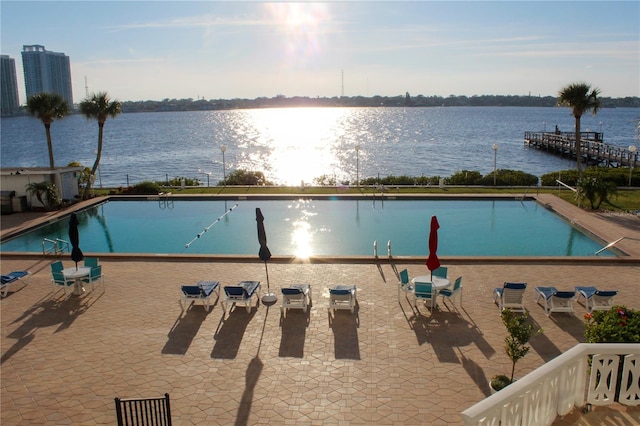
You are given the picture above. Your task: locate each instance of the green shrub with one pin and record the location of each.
(146, 187)
(506, 177)
(464, 177)
(596, 189)
(617, 325)
(244, 177)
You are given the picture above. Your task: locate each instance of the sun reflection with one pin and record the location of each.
(302, 239)
(298, 144)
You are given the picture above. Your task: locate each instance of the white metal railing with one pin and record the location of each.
(56, 246)
(557, 387)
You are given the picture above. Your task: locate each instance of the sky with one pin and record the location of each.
(152, 50)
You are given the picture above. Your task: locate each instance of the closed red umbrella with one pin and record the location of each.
(433, 262)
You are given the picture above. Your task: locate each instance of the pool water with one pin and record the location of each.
(319, 227)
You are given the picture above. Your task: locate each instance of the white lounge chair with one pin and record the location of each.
(297, 296)
(554, 300)
(241, 294)
(10, 278)
(201, 292)
(594, 299)
(342, 297)
(510, 296)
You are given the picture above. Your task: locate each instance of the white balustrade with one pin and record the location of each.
(558, 386)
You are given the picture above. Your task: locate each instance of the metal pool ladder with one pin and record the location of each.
(54, 246)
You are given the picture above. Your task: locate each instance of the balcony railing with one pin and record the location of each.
(566, 382)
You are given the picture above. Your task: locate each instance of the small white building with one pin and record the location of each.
(16, 180)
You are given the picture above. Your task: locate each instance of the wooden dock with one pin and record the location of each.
(593, 150)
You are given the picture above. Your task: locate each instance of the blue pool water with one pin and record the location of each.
(304, 227)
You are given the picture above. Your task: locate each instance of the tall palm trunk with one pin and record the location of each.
(96, 164)
(578, 147)
(47, 128)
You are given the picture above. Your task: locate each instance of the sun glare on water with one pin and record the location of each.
(299, 143)
(301, 229)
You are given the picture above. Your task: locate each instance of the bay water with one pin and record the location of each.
(297, 145)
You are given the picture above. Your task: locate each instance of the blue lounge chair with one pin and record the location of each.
(10, 278)
(297, 296)
(201, 292)
(241, 294)
(342, 297)
(510, 296)
(596, 300)
(554, 300)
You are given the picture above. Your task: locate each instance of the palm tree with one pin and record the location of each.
(98, 106)
(48, 107)
(581, 99)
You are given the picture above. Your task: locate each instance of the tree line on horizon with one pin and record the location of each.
(281, 101)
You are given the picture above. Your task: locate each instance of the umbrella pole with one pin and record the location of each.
(269, 297)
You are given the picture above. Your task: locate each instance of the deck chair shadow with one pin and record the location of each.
(510, 296)
(201, 292)
(594, 299)
(342, 297)
(297, 296)
(554, 300)
(12, 277)
(143, 411)
(241, 294)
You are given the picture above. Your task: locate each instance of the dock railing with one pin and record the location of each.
(587, 374)
(592, 147)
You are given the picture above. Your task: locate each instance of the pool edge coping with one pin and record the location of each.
(572, 214)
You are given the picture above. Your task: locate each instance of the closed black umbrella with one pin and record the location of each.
(264, 252)
(74, 239)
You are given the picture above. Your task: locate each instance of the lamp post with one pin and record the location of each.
(358, 166)
(224, 168)
(544, 123)
(632, 150)
(495, 162)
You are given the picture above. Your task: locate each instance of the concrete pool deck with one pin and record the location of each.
(64, 358)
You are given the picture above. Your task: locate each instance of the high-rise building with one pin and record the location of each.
(9, 86)
(46, 71)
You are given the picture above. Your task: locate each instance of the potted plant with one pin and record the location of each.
(520, 330)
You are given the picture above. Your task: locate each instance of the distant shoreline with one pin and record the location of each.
(406, 101)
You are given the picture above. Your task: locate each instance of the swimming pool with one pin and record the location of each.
(319, 227)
